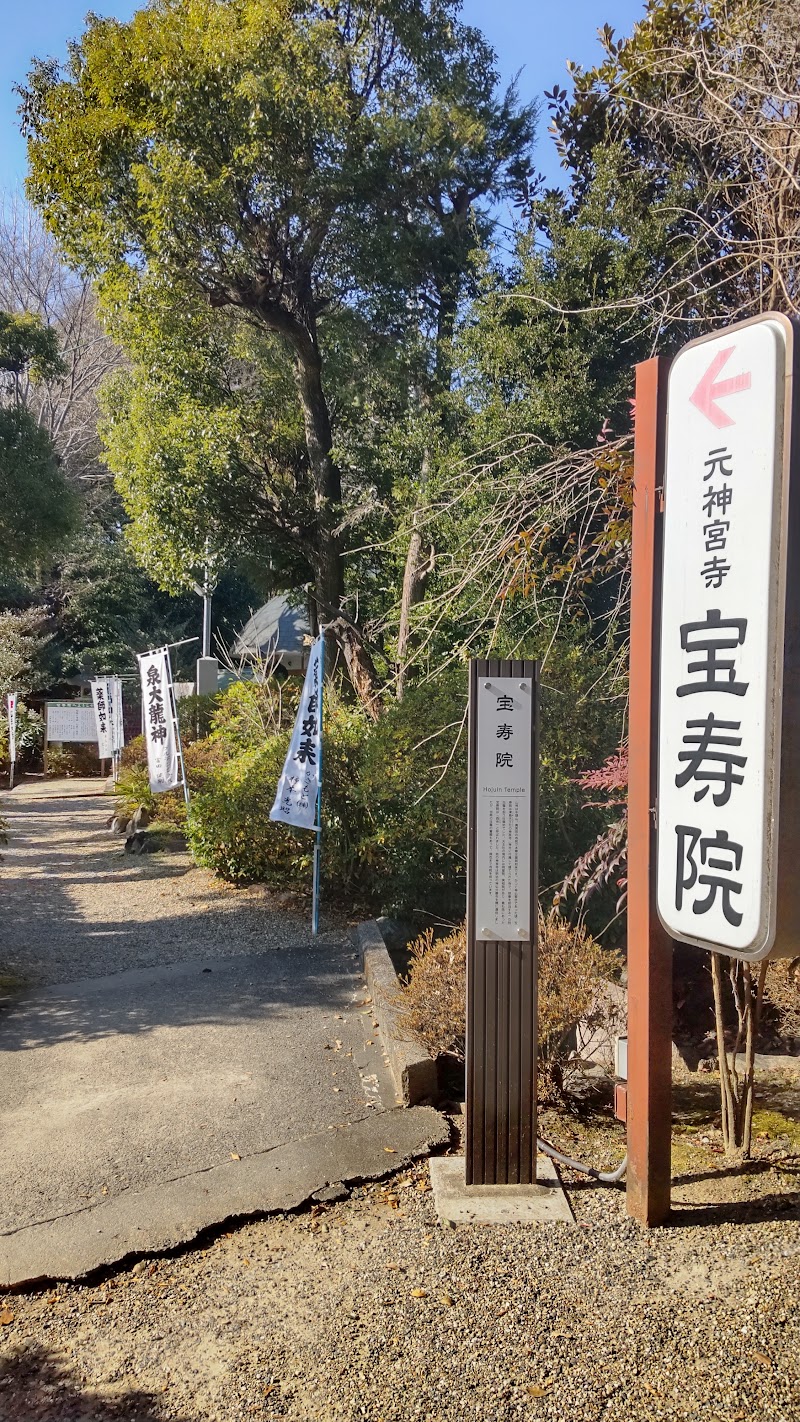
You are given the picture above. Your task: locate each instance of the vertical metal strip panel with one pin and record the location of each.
(501, 1000)
(788, 924)
(490, 1063)
(475, 969)
(649, 948)
(514, 1059)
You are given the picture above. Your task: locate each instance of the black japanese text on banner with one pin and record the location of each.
(298, 787)
(12, 726)
(116, 709)
(157, 699)
(101, 696)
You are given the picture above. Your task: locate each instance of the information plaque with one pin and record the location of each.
(503, 785)
(69, 721)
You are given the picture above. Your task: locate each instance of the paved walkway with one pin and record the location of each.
(179, 1053)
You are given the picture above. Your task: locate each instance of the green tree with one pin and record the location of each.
(701, 104)
(295, 163)
(37, 506)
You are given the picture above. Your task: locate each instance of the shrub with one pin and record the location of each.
(386, 841)
(432, 998)
(72, 761)
(200, 759)
(573, 972)
(195, 717)
(782, 990)
(248, 713)
(409, 799)
(30, 738)
(230, 829)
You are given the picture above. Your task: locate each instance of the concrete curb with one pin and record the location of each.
(174, 1212)
(413, 1071)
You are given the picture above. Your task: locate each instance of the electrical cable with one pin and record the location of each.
(605, 1177)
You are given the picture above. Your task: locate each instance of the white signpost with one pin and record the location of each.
(503, 787)
(722, 634)
(11, 700)
(103, 712)
(160, 717)
(500, 1065)
(117, 710)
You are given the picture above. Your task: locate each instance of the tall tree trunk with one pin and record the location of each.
(419, 566)
(328, 509)
(325, 474)
(360, 666)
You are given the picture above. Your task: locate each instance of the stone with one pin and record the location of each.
(460, 1203)
(330, 1194)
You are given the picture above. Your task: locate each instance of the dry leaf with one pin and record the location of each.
(6, 1317)
(272, 1387)
(419, 1293)
(536, 1391)
(446, 1299)
(234, 1156)
(762, 1358)
(370, 1042)
(390, 1150)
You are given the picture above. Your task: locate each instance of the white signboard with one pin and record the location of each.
(298, 788)
(503, 789)
(158, 716)
(722, 641)
(12, 726)
(71, 721)
(101, 697)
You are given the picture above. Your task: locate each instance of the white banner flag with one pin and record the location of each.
(12, 726)
(116, 710)
(159, 724)
(101, 696)
(298, 787)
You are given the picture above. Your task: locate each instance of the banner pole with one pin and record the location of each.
(176, 725)
(318, 838)
(11, 711)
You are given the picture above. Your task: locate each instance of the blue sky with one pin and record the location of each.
(529, 35)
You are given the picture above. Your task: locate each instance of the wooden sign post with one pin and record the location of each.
(714, 750)
(502, 923)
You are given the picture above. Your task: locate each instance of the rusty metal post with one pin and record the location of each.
(649, 1094)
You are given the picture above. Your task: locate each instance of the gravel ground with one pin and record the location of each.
(367, 1309)
(107, 902)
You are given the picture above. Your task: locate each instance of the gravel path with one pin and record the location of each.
(366, 1309)
(108, 903)
(369, 1310)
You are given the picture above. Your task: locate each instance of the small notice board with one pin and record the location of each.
(71, 721)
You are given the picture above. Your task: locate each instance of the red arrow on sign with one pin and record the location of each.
(709, 390)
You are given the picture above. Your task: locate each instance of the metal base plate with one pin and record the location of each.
(497, 1204)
